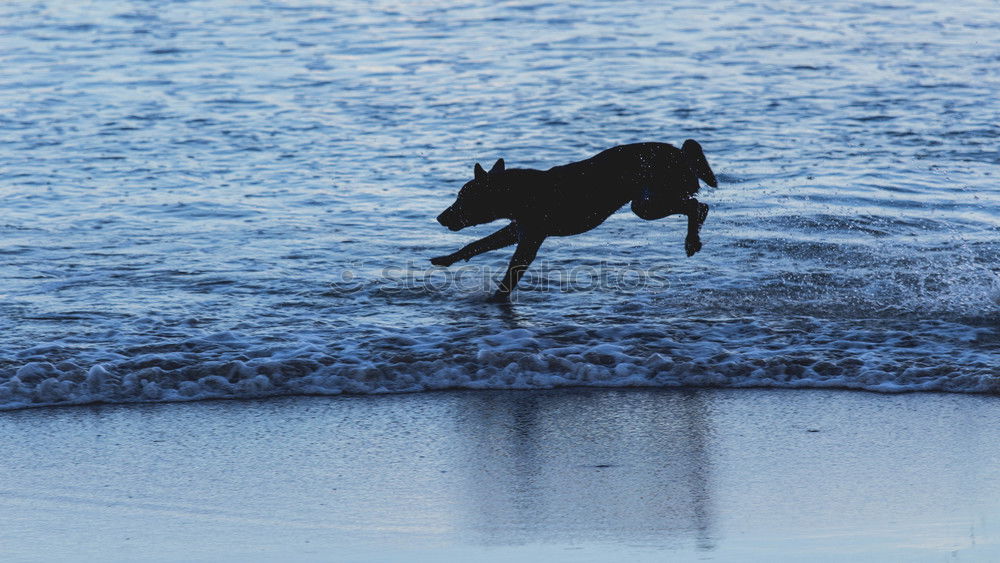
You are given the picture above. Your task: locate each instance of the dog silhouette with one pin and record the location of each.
(659, 179)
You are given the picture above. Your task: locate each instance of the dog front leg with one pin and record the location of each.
(696, 213)
(526, 251)
(504, 237)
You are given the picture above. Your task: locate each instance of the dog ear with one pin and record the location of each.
(697, 161)
(498, 166)
(479, 172)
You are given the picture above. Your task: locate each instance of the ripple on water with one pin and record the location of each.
(213, 200)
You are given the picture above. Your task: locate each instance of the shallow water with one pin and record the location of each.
(214, 199)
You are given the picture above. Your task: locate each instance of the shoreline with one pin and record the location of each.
(890, 391)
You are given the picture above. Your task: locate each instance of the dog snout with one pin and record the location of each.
(444, 218)
(449, 219)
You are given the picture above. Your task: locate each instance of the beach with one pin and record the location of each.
(562, 475)
(227, 332)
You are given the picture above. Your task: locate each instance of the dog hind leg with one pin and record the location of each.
(696, 212)
(646, 206)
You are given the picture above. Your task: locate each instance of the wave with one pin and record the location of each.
(727, 352)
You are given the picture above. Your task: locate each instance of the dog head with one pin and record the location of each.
(698, 163)
(479, 201)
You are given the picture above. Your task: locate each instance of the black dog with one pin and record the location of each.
(659, 180)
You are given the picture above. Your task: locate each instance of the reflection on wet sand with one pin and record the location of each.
(585, 466)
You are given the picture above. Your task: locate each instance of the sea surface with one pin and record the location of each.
(217, 199)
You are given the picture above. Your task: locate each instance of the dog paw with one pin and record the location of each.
(499, 297)
(443, 261)
(692, 245)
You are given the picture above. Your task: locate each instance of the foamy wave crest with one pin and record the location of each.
(803, 354)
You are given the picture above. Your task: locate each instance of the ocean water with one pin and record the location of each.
(214, 199)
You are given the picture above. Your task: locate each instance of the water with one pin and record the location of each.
(234, 199)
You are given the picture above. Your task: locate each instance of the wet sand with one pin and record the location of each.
(565, 475)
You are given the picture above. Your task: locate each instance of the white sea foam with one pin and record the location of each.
(519, 358)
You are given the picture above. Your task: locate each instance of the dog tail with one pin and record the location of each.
(696, 160)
